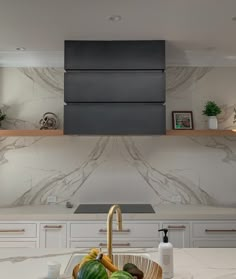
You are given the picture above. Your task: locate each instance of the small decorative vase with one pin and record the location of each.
(212, 122)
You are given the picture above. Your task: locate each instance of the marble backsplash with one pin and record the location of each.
(155, 169)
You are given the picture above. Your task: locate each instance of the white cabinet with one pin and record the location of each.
(52, 235)
(18, 230)
(209, 243)
(126, 243)
(6, 243)
(134, 234)
(18, 235)
(214, 234)
(179, 234)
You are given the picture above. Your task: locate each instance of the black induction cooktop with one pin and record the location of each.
(104, 208)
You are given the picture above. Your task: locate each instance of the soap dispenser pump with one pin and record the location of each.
(165, 250)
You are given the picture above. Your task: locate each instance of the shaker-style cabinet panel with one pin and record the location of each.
(87, 234)
(115, 86)
(53, 235)
(214, 234)
(114, 55)
(178, 234)
(18, 234)
(18, 230)
(114, 118)
(17, 244)
(124, 243)
(209, 243)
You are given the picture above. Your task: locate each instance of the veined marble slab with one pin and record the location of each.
(156, 170)
(148, 169)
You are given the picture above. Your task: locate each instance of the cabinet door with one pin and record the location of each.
(115, 86)
(179, 234)
(122, 55)
(114, 118)
(52, 235)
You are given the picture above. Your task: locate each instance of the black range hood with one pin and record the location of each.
(114, 87)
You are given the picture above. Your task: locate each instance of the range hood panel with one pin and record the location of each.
(114, 119)
(115, 86)
(114, 55)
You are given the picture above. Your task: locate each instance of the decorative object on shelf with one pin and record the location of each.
(49, 121)
(211, 110)
(2, 117)
(182, 120)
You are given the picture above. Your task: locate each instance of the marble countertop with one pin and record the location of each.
(194, 263)
(164, 212)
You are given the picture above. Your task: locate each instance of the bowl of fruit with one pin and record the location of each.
(124, 266)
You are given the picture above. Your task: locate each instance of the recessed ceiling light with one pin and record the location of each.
(21, 48)
(234, 18)
(115, 18)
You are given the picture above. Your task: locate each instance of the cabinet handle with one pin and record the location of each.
(115, 244)
(12, 231)
(52, 227)
(182, 227)
(209, 231)
(122, 231)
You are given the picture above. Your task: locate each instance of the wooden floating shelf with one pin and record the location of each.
(46, 133)
(30, 133)
(200, 133)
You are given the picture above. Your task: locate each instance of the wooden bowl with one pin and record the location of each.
(150, 269)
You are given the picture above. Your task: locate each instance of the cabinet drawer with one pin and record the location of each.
(18, 244)
(214, 243)
(91, 230)
(214, 230)
(116, 244)
(18, 230)
(114, 118)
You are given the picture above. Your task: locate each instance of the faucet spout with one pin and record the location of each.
(113, 209)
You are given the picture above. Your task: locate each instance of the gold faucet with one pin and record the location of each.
(114, 208)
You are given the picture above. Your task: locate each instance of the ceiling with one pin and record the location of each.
(198, 32)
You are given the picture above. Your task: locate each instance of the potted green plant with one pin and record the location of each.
(2, 117)
(211, 109)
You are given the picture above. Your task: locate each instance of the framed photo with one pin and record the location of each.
(182, 120)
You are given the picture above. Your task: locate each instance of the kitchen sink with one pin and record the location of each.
(150, 268)
(104, 208)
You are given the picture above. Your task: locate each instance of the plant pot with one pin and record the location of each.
(212, 122)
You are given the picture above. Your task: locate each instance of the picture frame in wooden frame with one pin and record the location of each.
(182, 120)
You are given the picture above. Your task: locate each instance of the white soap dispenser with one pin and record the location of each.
(165, 250)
